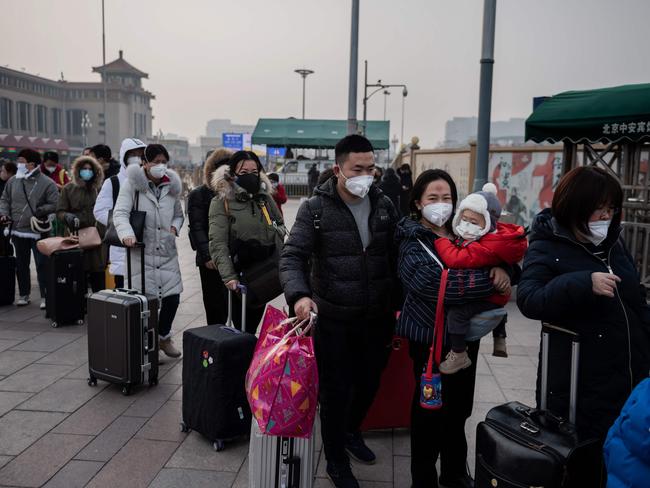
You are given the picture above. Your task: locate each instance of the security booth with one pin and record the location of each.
(315, 140)
(610, 128)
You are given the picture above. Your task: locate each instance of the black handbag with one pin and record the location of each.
(136, 219)
(262, 280)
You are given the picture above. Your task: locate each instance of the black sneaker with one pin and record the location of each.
(341, 475)
(357, 449)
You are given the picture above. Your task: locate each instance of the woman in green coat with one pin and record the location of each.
(76, 202)
(246, 226)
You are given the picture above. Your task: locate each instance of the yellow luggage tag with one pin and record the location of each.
(266, 214)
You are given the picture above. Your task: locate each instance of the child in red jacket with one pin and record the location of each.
(481, 242)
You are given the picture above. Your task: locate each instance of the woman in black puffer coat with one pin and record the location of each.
(198, 205)
(578, 275)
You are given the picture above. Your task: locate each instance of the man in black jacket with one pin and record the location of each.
(339, 262)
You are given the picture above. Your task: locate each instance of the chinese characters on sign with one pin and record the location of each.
(629, 128)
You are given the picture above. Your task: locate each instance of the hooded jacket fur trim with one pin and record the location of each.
(97, 181)
(210, 163)
(223, 184)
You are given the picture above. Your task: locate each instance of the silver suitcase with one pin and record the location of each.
(281, 462)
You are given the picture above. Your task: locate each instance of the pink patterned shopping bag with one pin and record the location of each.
(282, 380)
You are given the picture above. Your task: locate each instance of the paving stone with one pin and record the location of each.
(381, 444)
(23, 314)
(401, 471)
(97, 414)
(527, 397)
(18, 334)
(401, 442)
(241, 481)
(66, 395)
(178, 394)
(174, 376)
(514, 377)
(42, 460)
(135, 465)
(20, 429)
(4, 460)
(196, 453)
(487, 390)
(34, 377)
(75, 474)
(112, 439)
(165, 424)
(511, 360)
(12, 361)
(47, 342)
(81, 373)
(9, 399)
(74, 354)
(149, 400)
(175, 477)
(8, 343)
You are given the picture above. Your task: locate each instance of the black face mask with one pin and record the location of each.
(249, 182)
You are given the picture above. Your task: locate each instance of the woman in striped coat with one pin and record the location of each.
(437, 432)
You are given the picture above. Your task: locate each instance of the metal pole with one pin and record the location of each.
(354, 62)
(365, 95)
(304, 79)
(104, 73)
(485, 94)
(385, 97)
(402, 136)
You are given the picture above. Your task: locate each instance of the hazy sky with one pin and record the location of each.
(235, 59)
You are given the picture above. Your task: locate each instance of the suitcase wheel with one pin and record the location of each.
(184, 427)
(126, 390)
(218, 445)
(80, 322)
(54, 324)
(92, 381)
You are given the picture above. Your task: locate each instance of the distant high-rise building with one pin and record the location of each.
(217, 127)
(459, 131)
(66, 115)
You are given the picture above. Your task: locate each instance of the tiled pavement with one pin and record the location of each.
(56, 431)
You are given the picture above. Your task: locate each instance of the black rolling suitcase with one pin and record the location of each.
(520, 446)
(66, 288)
(7, 269)
(215, 361)
(123, 335)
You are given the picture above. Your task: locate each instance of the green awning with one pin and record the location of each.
(315, 133)
(603, 115)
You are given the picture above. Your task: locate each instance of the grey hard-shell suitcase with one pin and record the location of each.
(123, 335)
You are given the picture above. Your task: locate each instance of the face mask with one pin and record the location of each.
(133, 160)
(50, 169)
(86, 174)
(437, 213)
(21, 172)
(359, 185)
(598, 231)
(468, 231)
(249, 182)
(158, 171)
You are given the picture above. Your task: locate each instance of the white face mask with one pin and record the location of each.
(598, 231)
(437, 213)
(468, 230)
(21, 172)
(133, 160)
(358, 185)
(158, 171)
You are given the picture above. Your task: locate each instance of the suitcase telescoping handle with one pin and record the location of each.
(244, 292)
(128, 265)
(548, 329)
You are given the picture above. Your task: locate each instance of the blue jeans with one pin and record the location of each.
(23, 246)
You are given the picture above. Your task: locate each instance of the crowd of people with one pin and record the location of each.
(361, 250)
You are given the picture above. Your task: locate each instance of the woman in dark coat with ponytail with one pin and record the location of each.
(579, 275)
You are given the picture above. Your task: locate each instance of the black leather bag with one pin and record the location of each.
(137, 220)
(520, 446)
(262, 279)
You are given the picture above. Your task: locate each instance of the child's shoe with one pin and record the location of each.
(454, 362)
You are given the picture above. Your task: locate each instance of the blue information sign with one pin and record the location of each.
(233, 141)
(276, 151)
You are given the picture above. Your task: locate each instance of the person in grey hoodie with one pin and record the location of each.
(26, 195)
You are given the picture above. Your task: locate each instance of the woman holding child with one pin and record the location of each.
(468, 291)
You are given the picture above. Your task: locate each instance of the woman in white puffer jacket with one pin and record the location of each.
(159, 191)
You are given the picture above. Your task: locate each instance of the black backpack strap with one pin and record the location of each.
(316, 209)
(115, 183)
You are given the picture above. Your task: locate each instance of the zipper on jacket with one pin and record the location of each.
(620, 300)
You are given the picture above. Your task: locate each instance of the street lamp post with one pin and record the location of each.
(104, 71)
(304, 73)
(386, 93)
(354, 62)
(380, 86)
(85, 125)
